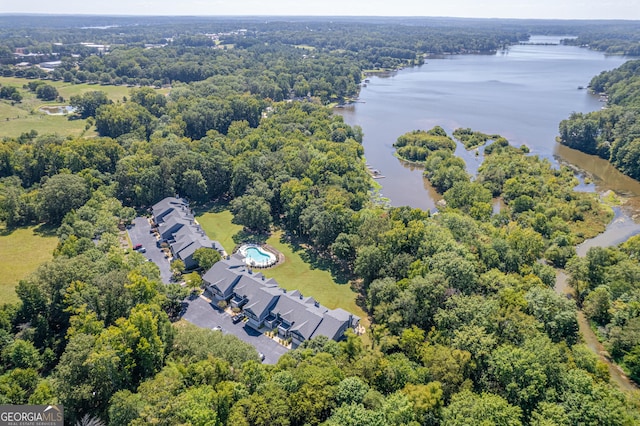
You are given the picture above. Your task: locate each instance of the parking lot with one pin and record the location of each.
(139, 234)
(202, 314)
(199, 311)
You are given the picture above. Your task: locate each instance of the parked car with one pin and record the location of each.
(261, 356)
(137, 247)
(142, 250)
(217, 328)
(237, 318)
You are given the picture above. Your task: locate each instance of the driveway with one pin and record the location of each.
(139, 234)
(202, 314)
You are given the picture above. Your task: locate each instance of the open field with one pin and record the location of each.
(218, 227)
(295, 272)
(21, 251)
(15, 121)
(25, 116)
(67, 90)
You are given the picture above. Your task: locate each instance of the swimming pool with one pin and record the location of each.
(255, 256)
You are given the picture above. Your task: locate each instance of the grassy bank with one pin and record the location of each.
(21, 251)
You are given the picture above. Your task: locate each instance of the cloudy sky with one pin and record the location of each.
(555, 9)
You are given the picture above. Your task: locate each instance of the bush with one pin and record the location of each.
(46, 92)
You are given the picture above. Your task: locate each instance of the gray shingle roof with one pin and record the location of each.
(172, 225)
(331, 327)
(177, 224)
(168, 205)
(261, 298)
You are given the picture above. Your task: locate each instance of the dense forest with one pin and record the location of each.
(612, 133)
(466, 327)
(606, 284)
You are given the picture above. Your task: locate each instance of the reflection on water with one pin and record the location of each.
(621, 228)
(604, 176)
(431, 191)
(57, 109)
(521, 94)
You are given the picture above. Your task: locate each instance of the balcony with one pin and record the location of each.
(238, 302)
(271, 322)
(283, 329)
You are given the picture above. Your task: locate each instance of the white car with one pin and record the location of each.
(217, 328)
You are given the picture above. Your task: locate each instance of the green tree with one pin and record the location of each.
(464, 195)
(632, 361)
(369, 262)
(46, 92)
(177, 268)
(153, 101)
(448, 366)
(206, 257)
(22, 354)
(356, 415)
(88, 103)
(60, 194)
(597, 305)
(468, 408)
(557, 313)
(115, 120)
(427, 402)
(351, 390)
(520, 377)
(193, 186)
(252, 211)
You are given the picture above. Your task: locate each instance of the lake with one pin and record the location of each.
(522, 93)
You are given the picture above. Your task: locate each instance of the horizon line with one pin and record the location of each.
(115, 15)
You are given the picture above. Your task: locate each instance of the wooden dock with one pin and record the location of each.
(375, 173)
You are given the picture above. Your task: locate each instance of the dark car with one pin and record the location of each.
(236, 319)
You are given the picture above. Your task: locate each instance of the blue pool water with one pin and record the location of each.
(257, 255)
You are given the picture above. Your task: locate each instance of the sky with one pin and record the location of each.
(547, 9)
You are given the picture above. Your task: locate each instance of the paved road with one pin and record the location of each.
(202, 314)
(139, 234)
(199, 311)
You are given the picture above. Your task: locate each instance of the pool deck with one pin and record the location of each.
(278, 257)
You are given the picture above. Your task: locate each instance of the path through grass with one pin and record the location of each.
(21, 251)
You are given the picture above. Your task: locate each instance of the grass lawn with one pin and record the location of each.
(25, 116)
(218, 227)
(67, 90)
(21, 251)
(296, 273)
(42, 123)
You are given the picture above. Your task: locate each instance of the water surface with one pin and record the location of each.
(522, 94)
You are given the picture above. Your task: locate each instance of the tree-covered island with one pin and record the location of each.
(464, 324)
